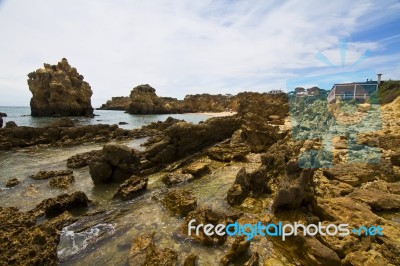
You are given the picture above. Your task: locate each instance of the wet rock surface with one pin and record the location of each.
(82, 159)
(59, 90)
(176, 178)
(145, 253)
(42, 175)
(62, 182)
(22, 242)
(65, 202)
(12, 182)
(131, 188)
(180, 202)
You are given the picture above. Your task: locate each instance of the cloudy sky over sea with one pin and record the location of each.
(188, 47)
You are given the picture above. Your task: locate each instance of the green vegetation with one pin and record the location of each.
(388, 91)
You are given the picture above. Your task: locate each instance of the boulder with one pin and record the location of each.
(62, 182)
(364, 258)
(191, 260)
(59, 90)
(145, 253)
(3, 114)
(180, 202)
(66, 202)
(42, 175)
(63, 122)
(116, 103)
(116, 163)
(131, 188)
(12, 182)
(196, 169)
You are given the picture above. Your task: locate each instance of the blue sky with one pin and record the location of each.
(188, 47)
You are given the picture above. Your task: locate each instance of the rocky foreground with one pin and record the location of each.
(276, 190)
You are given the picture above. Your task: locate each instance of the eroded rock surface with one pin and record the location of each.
(59, 90)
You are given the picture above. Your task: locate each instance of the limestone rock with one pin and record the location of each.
(239, 247)
(175, 178)
(65, 202)
(191, 260)
(63, 122)
(82, 159)
(131, 188)
(24, 243)
(116, 103)
(59, 90)
(116, 163)
(197, 169)
(42, 175)
(12, 182)
(180, 202)
(377, 199)
(228, 152)
(62, 182)
(144, 253)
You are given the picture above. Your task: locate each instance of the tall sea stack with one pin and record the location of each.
(59, 90)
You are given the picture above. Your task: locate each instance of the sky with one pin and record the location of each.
(188, 47)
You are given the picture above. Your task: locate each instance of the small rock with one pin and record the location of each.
(3, 114)
(228, 152)
(131, 188)
(240, 246)
(63, 122)
(123, 123)
(62, 182)
(42, 175)
(12, 182)
(171, 179)
(180, 202)
(197, 169)
(11, 124)
(82, 159)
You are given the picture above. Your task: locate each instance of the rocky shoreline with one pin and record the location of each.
(180, 153)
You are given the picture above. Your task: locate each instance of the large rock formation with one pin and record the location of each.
(59, 90)
(144, 100)
(116, 103)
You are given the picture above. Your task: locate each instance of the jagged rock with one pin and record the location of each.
(175, 178)
(204, 215)
(228, 152)
(239, 247)
(144, 100)
(131, 188)
(182, 139)
(63, 136)
(144, 253)
(10, 124)
(24, 243)
(295, 188)
(59, 90)
(62, 182)
(42, 175)
(65, 202)
(254, 260)
(116, 103)
(12, 182)
(82, 159)
(364, 258)
(351, 174)
(63, 122)
(180, 202)
(377, 199)
(196, 169)
(191, 260)
(117, 163)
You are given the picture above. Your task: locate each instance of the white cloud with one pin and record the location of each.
(178, 47)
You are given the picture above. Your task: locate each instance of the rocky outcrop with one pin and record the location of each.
(62, 182)
(10, 124)
(145, 253)
(23, 242)
(82, 159)
(116, 164)
(20, 137)
(180, 202)
(117, 103)
(239, 247)
(182, 139)
(59, 90)
(131, 188)
(228, 152)
(144, 100)
(3, 114)
(65, 202)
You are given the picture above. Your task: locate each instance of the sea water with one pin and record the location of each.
(21, 116)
